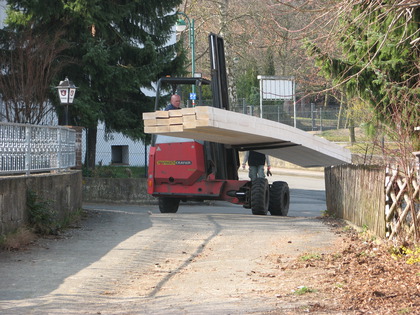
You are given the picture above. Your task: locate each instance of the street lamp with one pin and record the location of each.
(180, 27)
(66, 92)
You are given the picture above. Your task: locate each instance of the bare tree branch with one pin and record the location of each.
(28, 65)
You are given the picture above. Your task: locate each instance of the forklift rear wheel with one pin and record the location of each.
(279, 198)
(260, 196)
(168, 205)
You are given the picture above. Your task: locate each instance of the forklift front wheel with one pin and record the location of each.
(260, 196)
(279, 198)
(168, 205)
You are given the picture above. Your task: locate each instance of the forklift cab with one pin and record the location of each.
(221, 161)
(174, 83)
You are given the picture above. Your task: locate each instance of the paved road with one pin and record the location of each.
(206, 259)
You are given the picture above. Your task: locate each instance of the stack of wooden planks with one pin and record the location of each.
(246, 133)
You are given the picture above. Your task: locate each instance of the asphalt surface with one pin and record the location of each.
(129, 259)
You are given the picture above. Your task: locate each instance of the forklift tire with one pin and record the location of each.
(168, 205)
(279, 198)
(260, 196)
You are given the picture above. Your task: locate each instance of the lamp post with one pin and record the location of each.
(66, 92)
(180, 27)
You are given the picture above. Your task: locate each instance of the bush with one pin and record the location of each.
(112, 171)
(42, 219)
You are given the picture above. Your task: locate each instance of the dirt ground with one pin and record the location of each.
(360, 277)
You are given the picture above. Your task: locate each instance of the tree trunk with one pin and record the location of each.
(226, 34)
(340, 112)
(352, 133)
(91, 147)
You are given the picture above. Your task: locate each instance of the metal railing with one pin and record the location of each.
(32, 148)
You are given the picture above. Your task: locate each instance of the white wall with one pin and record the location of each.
(134, 151)
(2, 12)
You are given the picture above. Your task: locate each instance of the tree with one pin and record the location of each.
(27, 68)
(118, 47)
(252, 28)
(248, 84)
(269, 67)
(379, 60)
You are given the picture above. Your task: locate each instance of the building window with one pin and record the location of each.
(119, 154)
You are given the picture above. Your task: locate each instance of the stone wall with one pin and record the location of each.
(116, 190)
(62, 190)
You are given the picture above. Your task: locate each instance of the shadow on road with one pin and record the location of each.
(43, 268)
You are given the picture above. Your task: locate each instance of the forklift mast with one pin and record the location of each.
(224, 160)
(219, 83)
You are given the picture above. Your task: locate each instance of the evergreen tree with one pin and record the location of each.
(269, 66)
(248, 84)
(117, 47)
(379, 60)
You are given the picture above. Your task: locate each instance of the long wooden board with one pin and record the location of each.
(247, 133)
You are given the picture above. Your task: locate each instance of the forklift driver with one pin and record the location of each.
(175, 102)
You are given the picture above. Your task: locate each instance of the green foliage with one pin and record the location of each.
(72, 218)
(18, 238)
(117, 47)
(303, 290)
(247, 83)
(378, 61)
(269, 67)
(111, 171)
(410, 255)
(40, 215)
(307, 257)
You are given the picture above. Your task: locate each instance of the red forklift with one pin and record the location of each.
(185, 169)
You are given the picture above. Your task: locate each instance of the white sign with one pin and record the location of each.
(71, 96)
(277, 88)
(64, 98)
(274, 88)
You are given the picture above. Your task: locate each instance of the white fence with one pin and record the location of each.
(33, 148)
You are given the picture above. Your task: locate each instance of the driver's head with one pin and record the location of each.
(176, 100)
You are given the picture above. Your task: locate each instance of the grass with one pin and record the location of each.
(342, 135)
(307, 257)
(303, 290)
(16, 240)
(28, 234)
(114, 171)
(364, 145)
(42, 221)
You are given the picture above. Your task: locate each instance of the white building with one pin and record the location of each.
(2, 13)
(117, 149)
